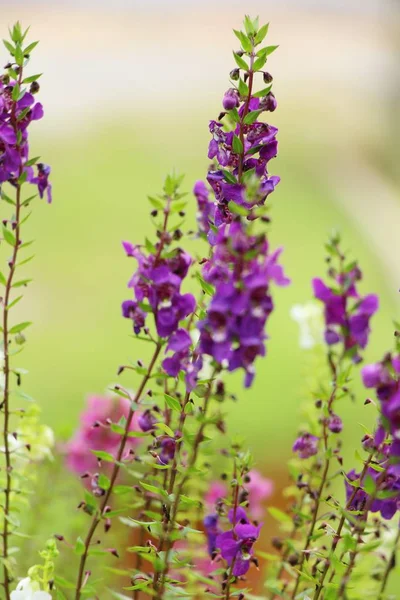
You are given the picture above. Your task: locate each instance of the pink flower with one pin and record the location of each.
(95, 433)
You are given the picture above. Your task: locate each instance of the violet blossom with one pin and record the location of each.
(241, 269)
(306, 445)
(347, 313)
(236, 545)
(158, 281)
(15, 118)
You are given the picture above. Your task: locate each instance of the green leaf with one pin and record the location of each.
(3, 280)
(8, 236)
(233, 113)
(251, 117)
(172, 403)
(29, 48)
(279, 515)
(259, 63)
(153, 489)
(106, 456)
(229, 177)
(79, 547)
(243, 88)
(21, 283)
(156, 203)
(369, 485)
(19, 55)
(241, 63)
(103, 482)
(165, 429)
(244, 40)
(262, 32)
(237, 145)
(263, 92)
(237, 209)
(9, 47)
(20, 327)
(32, 78)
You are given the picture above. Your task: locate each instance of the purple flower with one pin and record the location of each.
(168, 447)
(389, 487)
(15, 118)
(347, 314)
(335, 424)
(231, 99)
(159, 281)
(306, 445)
(241, 269)
(212, 531)
(384, 377)
(205, 208)
(236, 545)
(147, 421)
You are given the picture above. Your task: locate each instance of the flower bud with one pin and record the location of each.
(234, 74)
(230, 99)
(267, 77)
(335, 424)
(269, 102)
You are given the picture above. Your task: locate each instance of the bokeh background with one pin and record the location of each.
(128, 89)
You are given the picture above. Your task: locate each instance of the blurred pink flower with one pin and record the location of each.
(94, 433)
(259, 488)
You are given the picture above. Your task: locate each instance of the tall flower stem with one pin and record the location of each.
(99, 513)
(322, 484)
(245, 111)
(6, 341)
(160, 579)
(336, 538)
(361, 527)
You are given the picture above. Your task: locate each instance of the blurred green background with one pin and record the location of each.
(128, 91)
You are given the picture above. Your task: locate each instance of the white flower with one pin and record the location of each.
(309, 318)
(27, 589)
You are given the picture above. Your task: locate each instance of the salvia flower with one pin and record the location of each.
(388, 504)
(236, 545)
(306, 445)
(384, 378)
(241, 269)
(15, 118)
(347, 314)
(157, 282)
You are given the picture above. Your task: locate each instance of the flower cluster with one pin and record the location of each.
(347, 313)
(389, 490)
(384, 378)
(96, 433)
(158, 281)
(234, 545)
(18, 109)
(241, 269)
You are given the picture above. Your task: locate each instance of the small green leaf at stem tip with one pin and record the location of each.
(240, 62)
(266, 51)
(237, 145)
(30, 47)
(9, 47)
(262, 32)
(172, 403)
(32, 78)
(244, 40)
